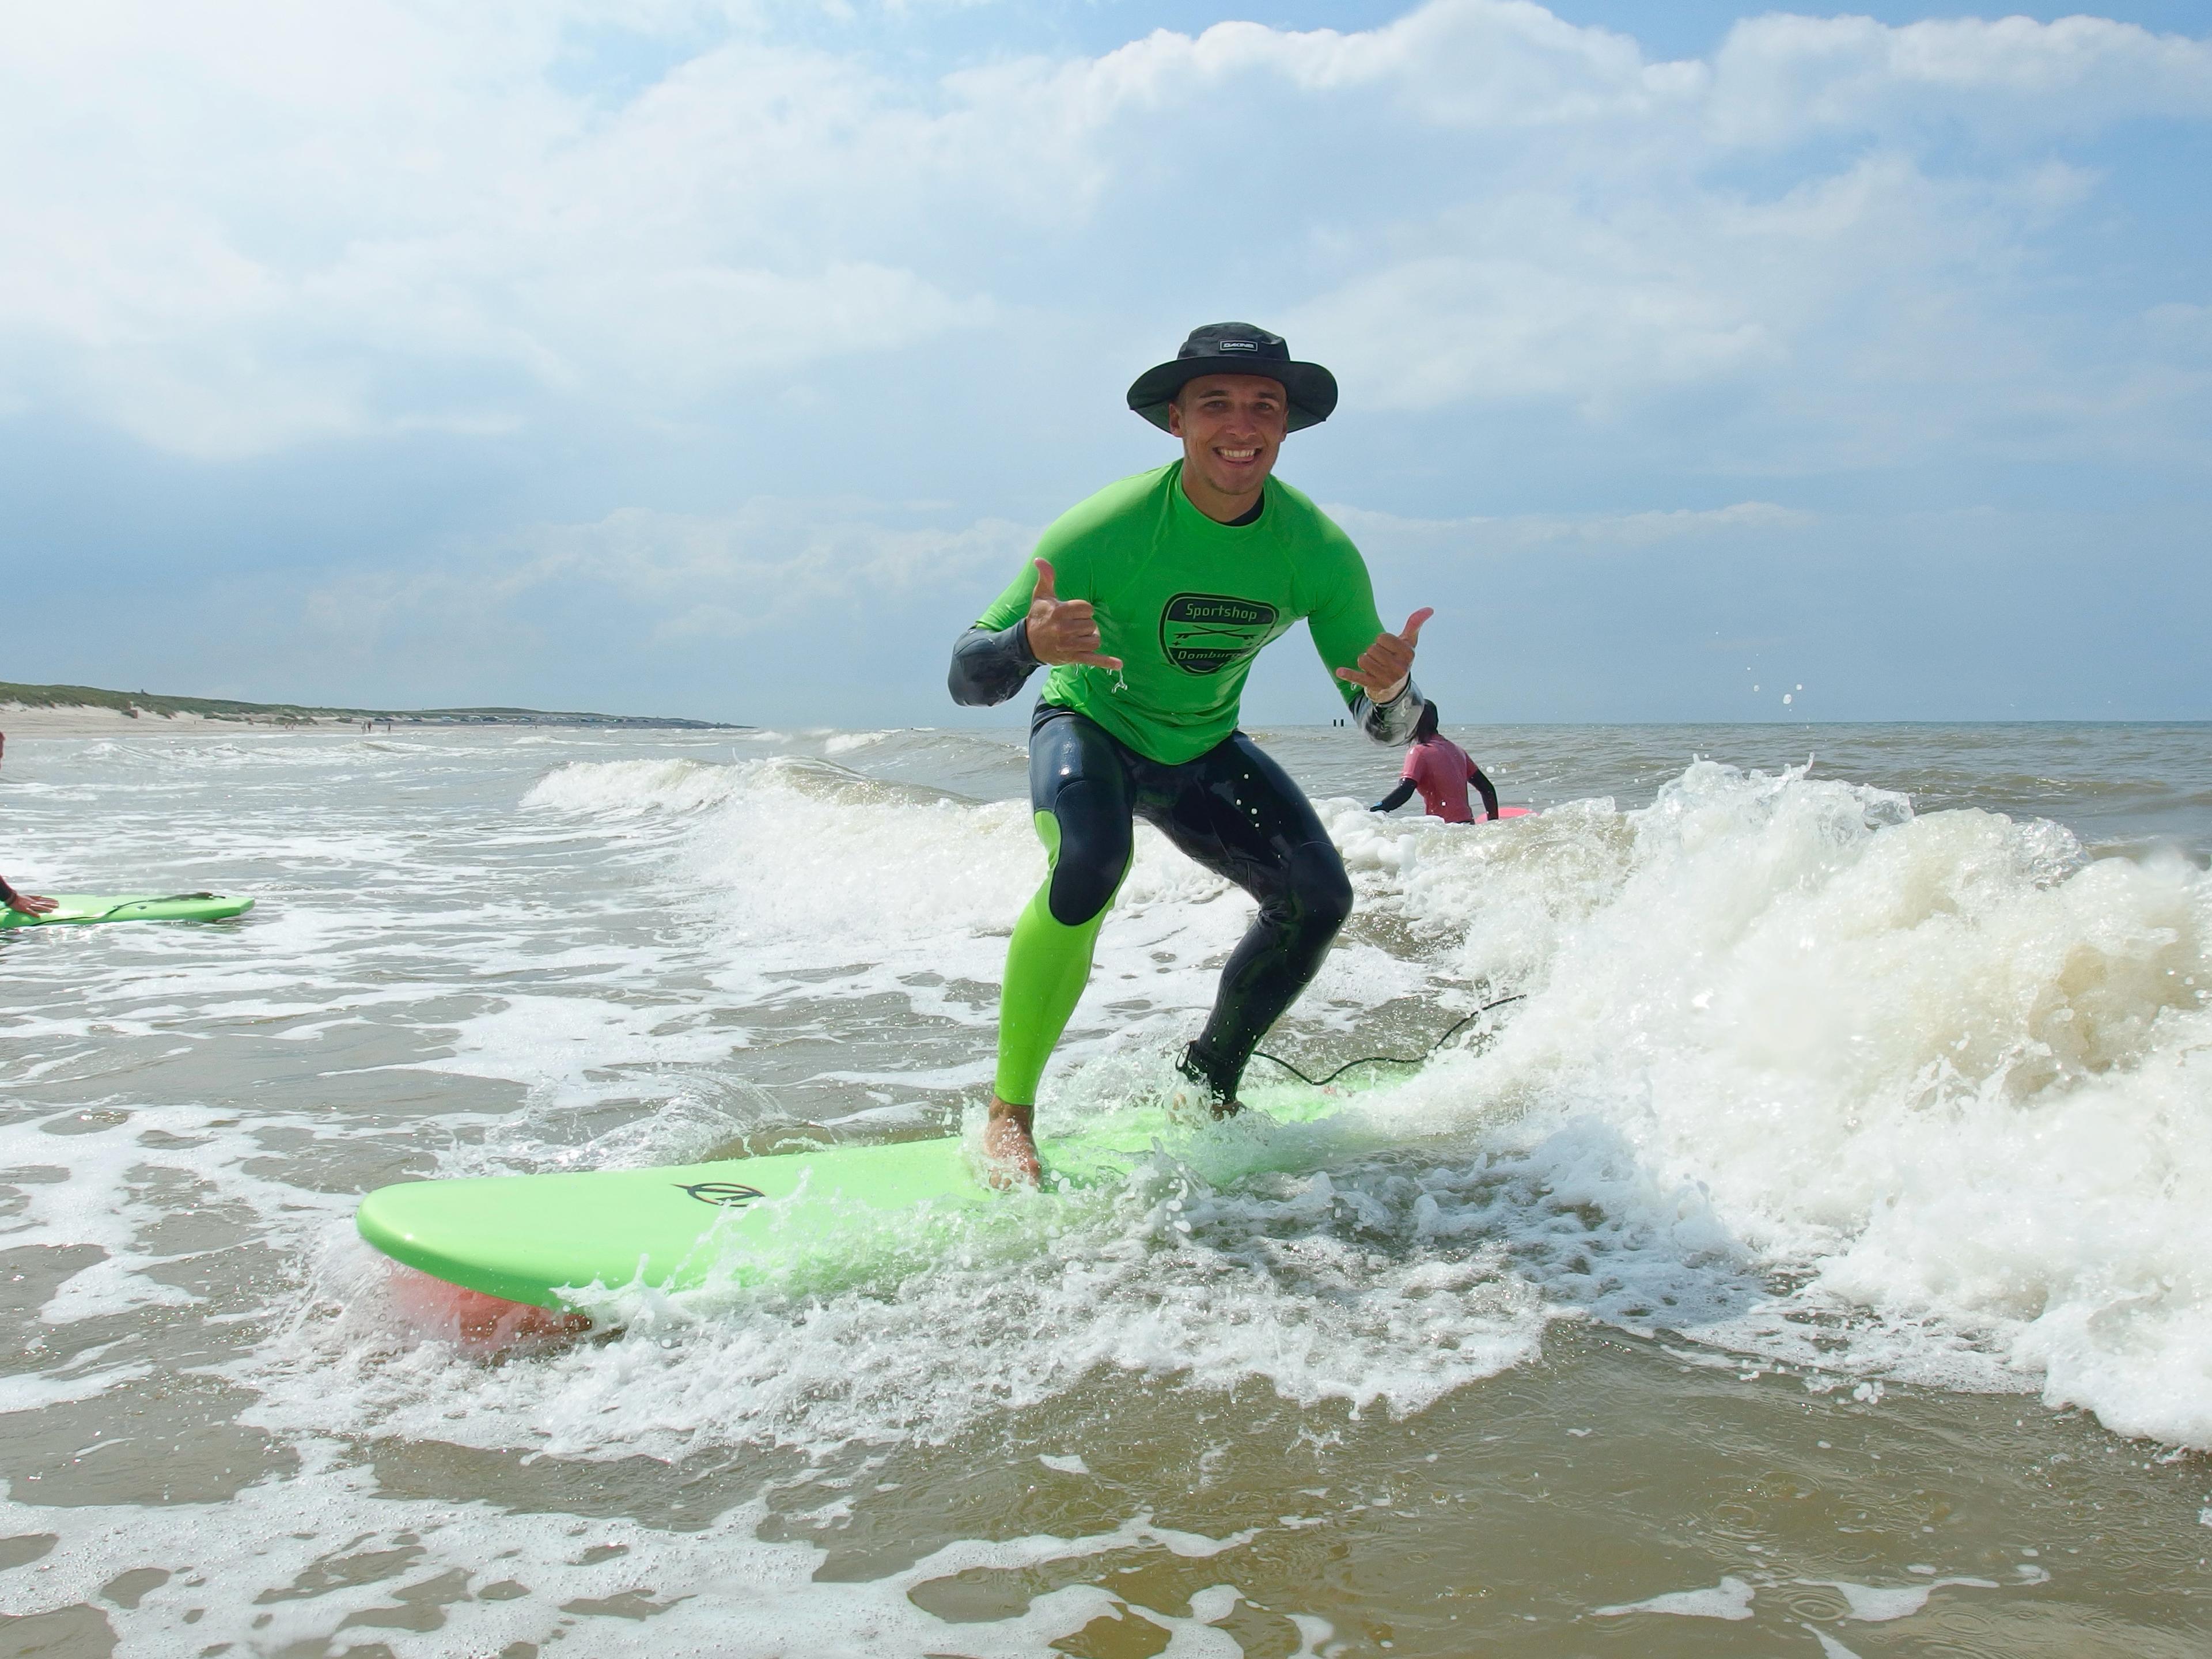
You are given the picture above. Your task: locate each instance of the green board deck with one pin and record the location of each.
(81, 908)
(543, 1239)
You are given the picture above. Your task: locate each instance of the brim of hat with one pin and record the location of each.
(1310, 388)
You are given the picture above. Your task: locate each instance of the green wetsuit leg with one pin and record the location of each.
(1081, 792)
(1048, 964)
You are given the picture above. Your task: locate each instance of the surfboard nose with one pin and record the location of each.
(464, 1232)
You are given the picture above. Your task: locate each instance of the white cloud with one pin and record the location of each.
(1479, 535)
(231, 227)
(1455, 63)
(1592, 314)
(320, 226)
(1779, 76)
(804, 571)
(1848, 306)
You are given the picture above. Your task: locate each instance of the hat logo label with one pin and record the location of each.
(1238, 345)
(1205, 633)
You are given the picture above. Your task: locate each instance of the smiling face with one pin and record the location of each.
(1231, 427)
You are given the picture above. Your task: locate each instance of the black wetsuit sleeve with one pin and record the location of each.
(1483, 785)
(1391, 722)
(1396, 799)
(8, 895)
(989, 664)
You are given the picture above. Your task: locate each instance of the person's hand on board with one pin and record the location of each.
(1063, 630)
(26, 905)
(1385, 665)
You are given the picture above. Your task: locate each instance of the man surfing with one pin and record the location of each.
(1148, 602)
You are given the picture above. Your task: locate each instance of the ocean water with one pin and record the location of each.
(1813, 1261)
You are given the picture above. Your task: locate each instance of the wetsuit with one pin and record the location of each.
(1186, 602)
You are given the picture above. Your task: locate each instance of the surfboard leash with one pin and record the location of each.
(1389, 1059)
(169, 898)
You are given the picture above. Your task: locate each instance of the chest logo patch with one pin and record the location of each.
(1203, 633)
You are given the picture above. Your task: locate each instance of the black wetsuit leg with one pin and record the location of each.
(1232, 810)
(1237, 812)
(1080, 775)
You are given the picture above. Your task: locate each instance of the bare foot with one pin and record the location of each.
(1202, 1078)
(1009, 1147)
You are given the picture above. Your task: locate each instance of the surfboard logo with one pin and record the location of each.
(731, 1193)
(1205, 633)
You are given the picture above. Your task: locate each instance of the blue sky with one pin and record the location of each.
(723, 359)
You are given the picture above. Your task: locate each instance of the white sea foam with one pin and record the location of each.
(533, 1039)
(1730, 1599)
(610, 789)
(1955, 1072)
(300, 1564)
(1876, 1604)
(1942, 1070)
(1293, 1280)
(107, 1189)
(27, 1393)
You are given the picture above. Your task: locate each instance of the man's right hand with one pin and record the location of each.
(1063, 630)
(32, 904)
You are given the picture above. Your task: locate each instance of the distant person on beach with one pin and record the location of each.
(1148, 602)
(29, 904)
(1441, 770)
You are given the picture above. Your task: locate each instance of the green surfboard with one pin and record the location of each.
(138, 907)
(563, 1241)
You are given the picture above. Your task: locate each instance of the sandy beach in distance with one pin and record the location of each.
(82, 720)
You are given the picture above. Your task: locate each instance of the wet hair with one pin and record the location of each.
(1425, 725)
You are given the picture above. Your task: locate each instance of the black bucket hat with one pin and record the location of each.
(1236, 349)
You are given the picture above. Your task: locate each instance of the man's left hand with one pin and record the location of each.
(1385, 665)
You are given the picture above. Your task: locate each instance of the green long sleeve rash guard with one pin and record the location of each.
(1186, 602)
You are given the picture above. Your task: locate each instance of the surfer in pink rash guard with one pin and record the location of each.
(1441, 770)
(29, 904)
